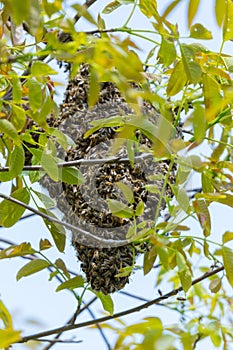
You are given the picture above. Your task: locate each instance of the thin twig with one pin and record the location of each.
(55, 341)
(100, 330)
(107, 242)
(122, 313)
(72, 320)
(88, 162)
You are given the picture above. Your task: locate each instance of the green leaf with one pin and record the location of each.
(167, 52)
(215, 285)
(112, 6)
(227, 236)
(17, 160)
(57, 230)
(8, 128)
(124, 271)
(101, 123)
(16, 163)
(203, 215)
(149, 8)
(163, 256)
(228, 21)
(75, 282)
(181, 262)
(31, 268)
(45, 244)
(198, 31)
(199, 123)
(62, 266)
(222, 198)
(139, 209)
(106, 301)
(177, 79)
(10, 212)
(5, 316)
(47, 201)
(119, 209)
(9, 336)
(206, 181)
(127, 192)
(41, 69)
(72, 175)
(192, 68)
(35, 95)
(16, 89)
(18, 117)
(34, 16)
(17, 250)
(149, 259)
(49, 165)
(185, 279)
(192, 10)
(20, 10)
(94, 88)
(220, 11)
(212, 96)
(227, 255)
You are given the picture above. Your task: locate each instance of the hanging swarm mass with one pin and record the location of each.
(85, 206)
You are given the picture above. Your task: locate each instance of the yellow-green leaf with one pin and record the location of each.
(198, 31)
(45, 244)
(106, 301)
(192, 68)
(199, 123)
(8, 337)
(50, 166)
(149, 259)
(220, 11)
(10, 212)
(18, 117)
(75, 282)
(94, 88)
(227, 255)
(203, 215)
(112, 6)
(31, 268)
(8, 128)
(228, 21)
(127, 192)
(120, 209)
(41, 69)
(185, 279)
(215, 285)
(212, 97)
(72, 175)
(57, 230)
(17, 250)
(35, 94)
(192, 10)
(177, 79)
(62, 266)
(5, 316)
(227, 236)
(167, 52)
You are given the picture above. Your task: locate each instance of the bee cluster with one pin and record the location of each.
(85, 205)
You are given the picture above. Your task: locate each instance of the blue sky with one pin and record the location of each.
(33, 299)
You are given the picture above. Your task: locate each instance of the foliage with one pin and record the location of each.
(189, 84)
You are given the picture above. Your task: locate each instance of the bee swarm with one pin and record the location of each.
(85, 205)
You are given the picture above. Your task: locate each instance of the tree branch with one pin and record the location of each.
(88, 162)
(122, 313)
(112, 242)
